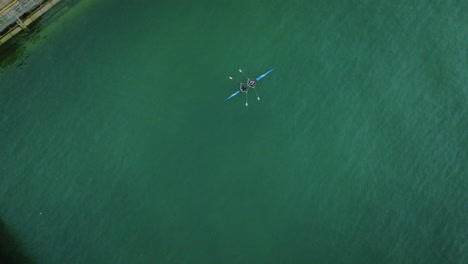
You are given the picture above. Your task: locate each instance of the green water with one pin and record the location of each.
(117, 145)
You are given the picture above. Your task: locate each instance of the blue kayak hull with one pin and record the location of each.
(256, 80)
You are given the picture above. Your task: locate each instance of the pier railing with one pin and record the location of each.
(12, 14)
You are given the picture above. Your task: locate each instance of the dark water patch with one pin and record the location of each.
(11, 249)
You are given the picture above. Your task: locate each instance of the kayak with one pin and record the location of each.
(244, 87)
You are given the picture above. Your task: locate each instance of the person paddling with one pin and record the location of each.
(244, 87)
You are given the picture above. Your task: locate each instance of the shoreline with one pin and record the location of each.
(4, 4)
(33, 12)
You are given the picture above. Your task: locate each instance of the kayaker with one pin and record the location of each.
(244, 87)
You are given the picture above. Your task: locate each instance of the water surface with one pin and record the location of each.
(117, 145)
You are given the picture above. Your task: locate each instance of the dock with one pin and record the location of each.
(16, 15)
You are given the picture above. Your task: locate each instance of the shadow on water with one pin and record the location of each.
(11, 251)
(15, 51)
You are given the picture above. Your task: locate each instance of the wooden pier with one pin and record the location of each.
(19, 24)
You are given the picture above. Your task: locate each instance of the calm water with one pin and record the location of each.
(117, 145)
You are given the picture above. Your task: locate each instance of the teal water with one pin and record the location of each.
(117, 145)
